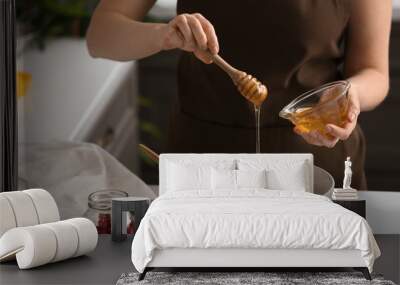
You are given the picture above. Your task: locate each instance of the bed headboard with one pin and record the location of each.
(307, 158)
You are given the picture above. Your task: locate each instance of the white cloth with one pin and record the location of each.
(71, 171)
(252, 218)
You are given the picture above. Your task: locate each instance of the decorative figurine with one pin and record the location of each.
(347, 174)
(346, 193)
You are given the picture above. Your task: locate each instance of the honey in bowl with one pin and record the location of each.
(313, 110)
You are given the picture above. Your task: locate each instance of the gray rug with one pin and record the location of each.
(268, 278)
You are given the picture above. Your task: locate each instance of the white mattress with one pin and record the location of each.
(252, 218)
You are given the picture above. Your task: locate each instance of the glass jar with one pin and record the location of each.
(99, 211)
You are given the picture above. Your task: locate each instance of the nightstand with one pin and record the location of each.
(357, 206)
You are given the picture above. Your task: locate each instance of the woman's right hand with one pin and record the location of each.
(193, 33)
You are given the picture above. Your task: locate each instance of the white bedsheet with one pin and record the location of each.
(250, 218)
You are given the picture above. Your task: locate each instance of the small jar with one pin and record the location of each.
(99, 211)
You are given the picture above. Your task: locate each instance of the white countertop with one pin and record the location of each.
(68, 89)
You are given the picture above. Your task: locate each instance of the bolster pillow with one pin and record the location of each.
(40, 244)
(26, 208)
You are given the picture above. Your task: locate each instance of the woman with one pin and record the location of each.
(291, 46)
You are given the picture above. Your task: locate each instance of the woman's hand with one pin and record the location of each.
(337, 133)
(193, 33)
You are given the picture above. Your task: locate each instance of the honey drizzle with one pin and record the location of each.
(257, 112)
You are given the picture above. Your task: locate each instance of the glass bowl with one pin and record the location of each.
(313, 110)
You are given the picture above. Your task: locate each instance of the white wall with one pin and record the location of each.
(383, 211)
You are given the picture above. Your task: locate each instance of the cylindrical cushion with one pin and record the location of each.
(87, 235)
(45, 205)
(47, 243)
(67, 240)
(39, 245)
(23, 208)
(7, 218)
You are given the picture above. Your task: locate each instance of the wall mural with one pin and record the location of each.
(145, 122)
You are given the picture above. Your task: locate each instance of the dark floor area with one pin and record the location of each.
(110, 260)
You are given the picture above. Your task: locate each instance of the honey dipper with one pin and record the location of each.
(252, 89)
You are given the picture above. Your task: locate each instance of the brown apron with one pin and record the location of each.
(290, 45)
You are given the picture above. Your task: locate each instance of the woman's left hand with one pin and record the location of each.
(337, 133)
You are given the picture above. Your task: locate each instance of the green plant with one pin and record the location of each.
(51, 18)
(148, 128)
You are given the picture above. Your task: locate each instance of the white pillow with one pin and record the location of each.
(251, 178)
(223, 179)
(189, 174)
(288, 175)
(291, 181)
(183, 177)
(237, 179)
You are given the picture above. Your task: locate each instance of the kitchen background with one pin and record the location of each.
(65, 95)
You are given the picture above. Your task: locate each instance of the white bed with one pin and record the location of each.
(205, 226)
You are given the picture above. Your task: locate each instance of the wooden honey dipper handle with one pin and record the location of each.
(248, 86)
(234, 73)
(149, 153)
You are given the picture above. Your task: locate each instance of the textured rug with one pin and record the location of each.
(244, 278)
